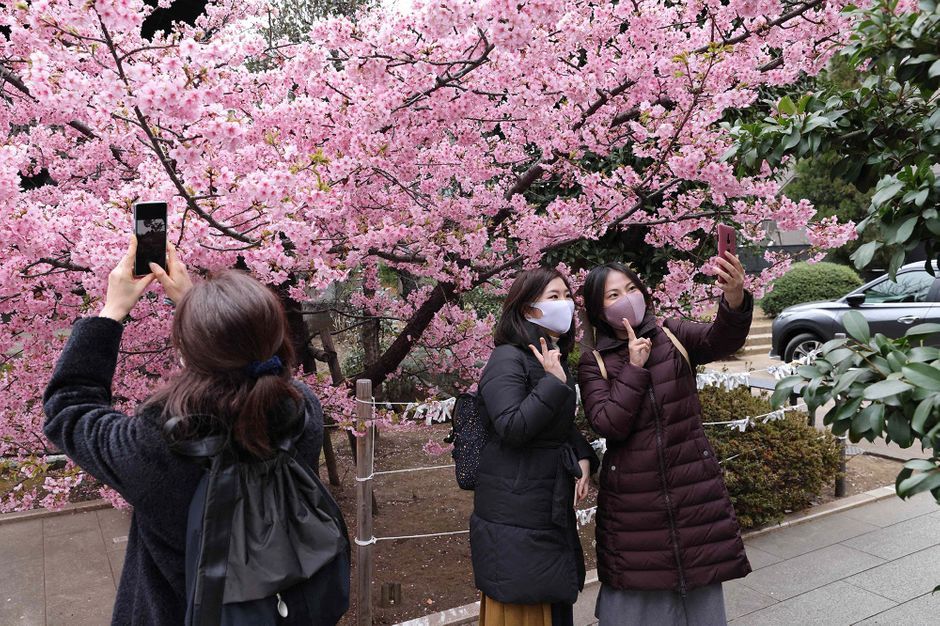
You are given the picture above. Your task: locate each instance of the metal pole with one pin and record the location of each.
(364, 469)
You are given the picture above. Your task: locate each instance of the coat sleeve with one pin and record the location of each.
(721, 338)
(313, 441)
(517, 414)
(119, 450)
(583, 448)
(612, 406)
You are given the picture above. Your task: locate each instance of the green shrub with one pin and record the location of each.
(809, 282)
(782, 465)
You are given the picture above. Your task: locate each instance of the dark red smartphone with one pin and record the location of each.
(150, 229)
(727, 240)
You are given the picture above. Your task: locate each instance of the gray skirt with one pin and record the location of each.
(704, 606)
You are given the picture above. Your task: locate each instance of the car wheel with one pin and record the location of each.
(800, 346)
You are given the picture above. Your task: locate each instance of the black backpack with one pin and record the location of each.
(469, 433)
(266, 544)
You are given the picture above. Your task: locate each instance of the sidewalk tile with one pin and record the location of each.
(116, 557)
(904, 578)
(76, 565)
(903, 538)
(760, 558)
(21, 574)
(920, 611)
(741, 599)
(893, 510)
(802, 538)
(114, 524)
(808, 571)
(70, 523)
(835, 604)
(584, 607)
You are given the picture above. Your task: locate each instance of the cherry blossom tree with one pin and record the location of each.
(415, 142)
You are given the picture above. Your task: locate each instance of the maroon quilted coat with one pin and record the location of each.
(664, 517)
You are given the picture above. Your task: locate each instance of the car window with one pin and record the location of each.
(908, 287)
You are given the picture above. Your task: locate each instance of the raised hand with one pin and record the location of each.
(176, 282)
(124, 290)
(731, 279)
(639, 347)
(550, 360)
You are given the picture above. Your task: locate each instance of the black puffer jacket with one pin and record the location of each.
(523, 536)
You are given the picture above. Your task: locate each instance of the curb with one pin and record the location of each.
(851, 502)
(68, 509)
(469, 613)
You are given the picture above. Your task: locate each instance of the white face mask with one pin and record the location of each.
(556, 315)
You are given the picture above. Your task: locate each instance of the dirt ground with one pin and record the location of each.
(435, 574)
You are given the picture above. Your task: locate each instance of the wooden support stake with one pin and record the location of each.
(364, 469)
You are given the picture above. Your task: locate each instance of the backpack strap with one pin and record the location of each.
(600, 363)
(678, 344)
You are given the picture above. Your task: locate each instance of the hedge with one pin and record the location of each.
(781, 466)
(809, 282)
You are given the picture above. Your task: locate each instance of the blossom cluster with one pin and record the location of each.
(408, 140)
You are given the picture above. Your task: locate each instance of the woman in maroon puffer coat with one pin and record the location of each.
(667, 535)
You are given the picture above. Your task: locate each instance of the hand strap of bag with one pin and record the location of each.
(675, 341)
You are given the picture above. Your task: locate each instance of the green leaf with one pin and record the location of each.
(923, 375)
(786, 106)
(925, 481)
(899, 430)
(865, 253)
(921, 414)
(886, 193)
(934, 70)
(783, 390)
(905, 230)
(923, 329)
(885, 388)
(921, 465)
(857, 326)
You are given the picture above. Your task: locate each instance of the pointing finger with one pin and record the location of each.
(630, 332)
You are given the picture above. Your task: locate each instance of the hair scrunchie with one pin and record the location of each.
(271, 367)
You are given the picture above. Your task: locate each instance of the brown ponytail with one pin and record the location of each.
(223, 325)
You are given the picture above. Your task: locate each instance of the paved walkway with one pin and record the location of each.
(874, 564)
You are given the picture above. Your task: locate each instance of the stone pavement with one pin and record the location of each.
(62, 569)
(873, 564)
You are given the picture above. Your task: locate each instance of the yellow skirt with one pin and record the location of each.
(493, 613)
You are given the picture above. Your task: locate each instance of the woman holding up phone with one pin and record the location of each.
(527, 557)
(667, 535)
(245, 384)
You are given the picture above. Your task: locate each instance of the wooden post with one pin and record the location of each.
(364, 469)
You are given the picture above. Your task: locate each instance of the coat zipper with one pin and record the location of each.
(660, 453)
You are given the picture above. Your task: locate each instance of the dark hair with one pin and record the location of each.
(594, 294)
(221, 326)
(512, 327)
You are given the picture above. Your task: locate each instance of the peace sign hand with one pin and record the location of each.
(550, 360)
(639, 347)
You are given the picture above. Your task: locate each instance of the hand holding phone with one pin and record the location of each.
(124, 289)
(150, 230)
(727, 241)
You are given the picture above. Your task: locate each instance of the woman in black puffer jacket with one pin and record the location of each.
(527, 557)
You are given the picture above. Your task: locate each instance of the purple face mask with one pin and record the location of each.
(631, 307)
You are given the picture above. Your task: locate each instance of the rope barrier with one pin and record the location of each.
(374, 540)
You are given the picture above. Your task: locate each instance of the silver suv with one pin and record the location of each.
(890, 306)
